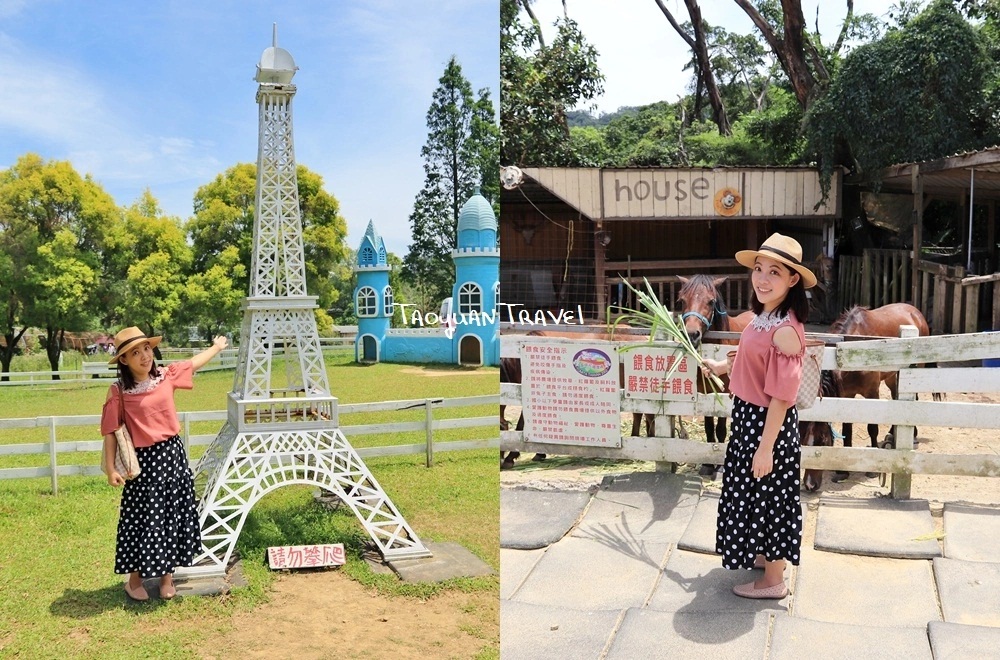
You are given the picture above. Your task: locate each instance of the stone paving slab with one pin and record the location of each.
(954, 641)
(594, 575)
(199, 585)
(971, 532)
(872, 591)
(794, 638)
(671, 635)
(530, 631)
(876, 528)
(532, 519)
(695, 582)
(969, 591)
(700, 533)
(652, 506)
(448, 560)
(514, 567)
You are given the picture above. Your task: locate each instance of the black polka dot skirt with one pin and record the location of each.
(158, 529)
(759, 516)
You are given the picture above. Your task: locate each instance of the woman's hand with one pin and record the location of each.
(115, 479)
(716, 367)
(763, 461)
(220, 342)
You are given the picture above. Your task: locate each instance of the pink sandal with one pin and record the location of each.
(135, 596)
(775, 592)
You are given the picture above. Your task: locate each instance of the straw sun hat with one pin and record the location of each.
(780, 248)
(128, 337)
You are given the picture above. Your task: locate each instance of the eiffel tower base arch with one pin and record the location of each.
(239, 469)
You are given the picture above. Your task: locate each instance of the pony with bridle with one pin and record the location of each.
(703, 309)
(885, 322)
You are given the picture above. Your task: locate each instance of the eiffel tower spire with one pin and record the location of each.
(283, 430)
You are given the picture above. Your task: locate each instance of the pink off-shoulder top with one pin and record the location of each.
(150, 416)
(761, 371)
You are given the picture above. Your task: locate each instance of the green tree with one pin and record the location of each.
(459, 154)
(211, 302)
(61, 281)
(224, 218)
(916, 94)
(539, 84)
(146, 261)
(53, 224)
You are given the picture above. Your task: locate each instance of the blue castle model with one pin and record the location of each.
(472, 337)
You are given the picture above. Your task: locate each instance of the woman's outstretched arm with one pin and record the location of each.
(201, 359)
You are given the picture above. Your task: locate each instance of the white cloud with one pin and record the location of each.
(66, 114)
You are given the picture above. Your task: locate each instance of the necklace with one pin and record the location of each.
(768, 321)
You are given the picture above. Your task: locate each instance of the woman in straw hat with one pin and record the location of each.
(158, 528)
(760, 518)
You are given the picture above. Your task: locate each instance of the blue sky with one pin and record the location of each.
(160, 95)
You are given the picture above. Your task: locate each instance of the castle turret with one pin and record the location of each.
(476, 295)
(373, 300)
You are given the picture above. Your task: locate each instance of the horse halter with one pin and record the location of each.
(707, 321)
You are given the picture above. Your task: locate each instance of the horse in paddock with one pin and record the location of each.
(820, 434)
(703, 309)
(882, 321)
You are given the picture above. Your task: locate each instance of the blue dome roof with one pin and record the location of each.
(477, 214)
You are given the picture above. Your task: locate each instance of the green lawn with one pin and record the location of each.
(60, 598)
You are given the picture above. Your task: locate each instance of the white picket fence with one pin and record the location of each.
(885, 354)
(101, 369)
(54, 448)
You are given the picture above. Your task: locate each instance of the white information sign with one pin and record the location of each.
(570, 393)
(663, 374)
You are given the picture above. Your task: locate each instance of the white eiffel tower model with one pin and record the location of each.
(286, 433)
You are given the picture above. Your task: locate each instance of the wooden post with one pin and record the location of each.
(52, 456)
(429, 422)
(917, 187)
(867, 278)
(599, 281)
(904, 434)
(665, 422)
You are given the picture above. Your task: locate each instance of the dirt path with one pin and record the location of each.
(328, 615)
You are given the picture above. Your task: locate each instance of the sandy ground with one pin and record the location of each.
(328, 615)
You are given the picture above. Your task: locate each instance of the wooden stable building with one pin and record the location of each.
(954, 285)
(570, 237)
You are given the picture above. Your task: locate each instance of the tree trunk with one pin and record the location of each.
(53, 348)
(7, 353)
(790, 49)
(699, 47)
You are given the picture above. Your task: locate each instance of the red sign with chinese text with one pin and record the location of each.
(659, 373)
(306, 556)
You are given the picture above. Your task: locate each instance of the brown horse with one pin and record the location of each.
(703, 309)
(882, 321)
(820, 434)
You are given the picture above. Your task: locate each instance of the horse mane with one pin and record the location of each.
(847, 320)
